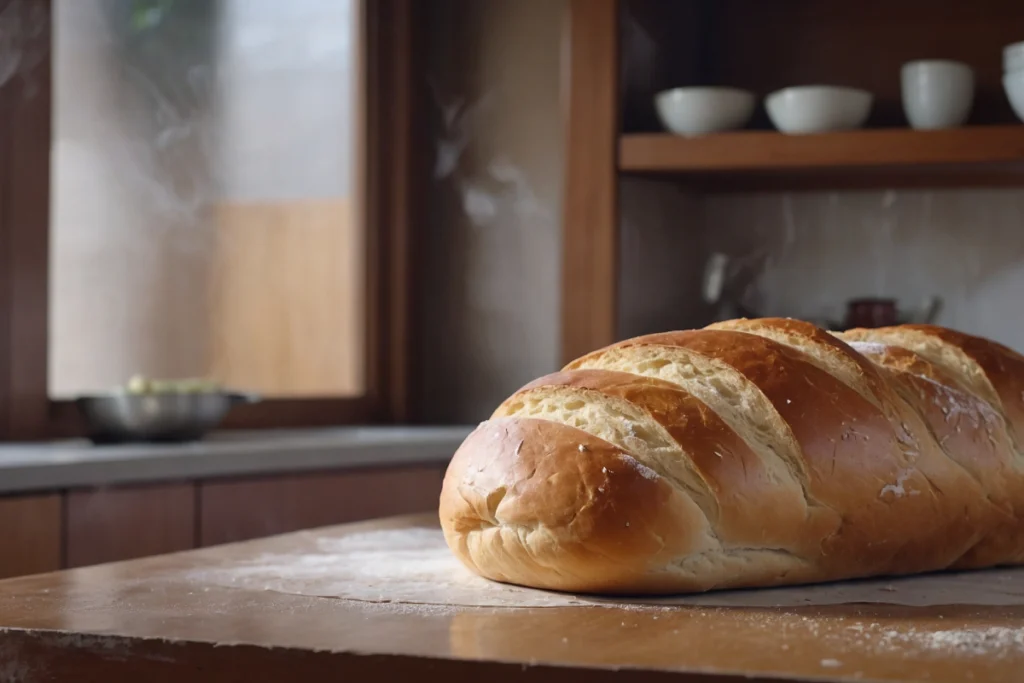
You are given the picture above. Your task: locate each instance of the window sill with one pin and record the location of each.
(71, 464)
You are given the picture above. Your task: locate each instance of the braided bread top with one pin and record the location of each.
(750, 453)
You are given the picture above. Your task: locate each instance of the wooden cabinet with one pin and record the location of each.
(83, 527)
(621, 53)
(107, 525)
(239, 510)
(30, 529)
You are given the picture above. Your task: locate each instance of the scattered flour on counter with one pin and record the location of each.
(994, 641)
(408, 566)
(417, 609)
(414, 566)
(985, 641)
(831, 663)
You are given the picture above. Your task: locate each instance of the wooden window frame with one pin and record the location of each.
(391, 157)
(590, 211)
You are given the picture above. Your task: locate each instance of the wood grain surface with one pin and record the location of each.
(763, 150)
(590, 213)
(26, 225)
(288, 298)
(239, 510)
(106, 525)
(30, 529)
(169, 618)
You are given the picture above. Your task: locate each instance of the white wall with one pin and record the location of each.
(966, 246)
(489, 286)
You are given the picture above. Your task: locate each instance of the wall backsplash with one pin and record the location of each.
(488, 288)
(661, 258)
(966, 246)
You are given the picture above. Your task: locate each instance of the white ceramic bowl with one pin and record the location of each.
(818, 108)
(1013, 57)
(937, 93)
(1013, 84)
(702, 110)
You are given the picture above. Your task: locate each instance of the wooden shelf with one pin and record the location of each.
(973, 155)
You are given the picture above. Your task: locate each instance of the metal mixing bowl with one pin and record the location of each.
(163, 417)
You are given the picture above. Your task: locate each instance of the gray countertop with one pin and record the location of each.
(71, 464)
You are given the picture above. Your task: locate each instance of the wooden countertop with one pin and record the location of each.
(159, 619)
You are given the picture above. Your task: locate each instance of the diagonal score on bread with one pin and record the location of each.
(939, 401)
(649, 418)
(988, 370)
(970, 432)
(629, 423)
(736, 401)
(822, 349)
(750, 453)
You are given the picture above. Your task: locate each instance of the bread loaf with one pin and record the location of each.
(750, 453)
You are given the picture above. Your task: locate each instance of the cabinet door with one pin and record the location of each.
(238, 510)
(30, 527)
(107, 525)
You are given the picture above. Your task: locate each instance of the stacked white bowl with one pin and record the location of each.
(1013, 76)
(693, 111)
(818, 108)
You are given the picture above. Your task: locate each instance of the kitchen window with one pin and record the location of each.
(204, 188)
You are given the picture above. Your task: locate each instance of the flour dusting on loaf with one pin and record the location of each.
(750, 453)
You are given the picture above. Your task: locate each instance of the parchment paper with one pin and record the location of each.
(414, 566)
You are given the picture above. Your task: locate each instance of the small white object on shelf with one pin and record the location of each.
(700, 110)
(1013, 83)
(818, 108)
(1013, 76)
(1013, 57)
(937, 93)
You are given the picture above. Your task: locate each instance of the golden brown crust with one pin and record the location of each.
(1003, 367)
(751, 508)
(534, 502)
(766, 452)
(905, 360)
(971, 433)
(802, 335)
(860, 467)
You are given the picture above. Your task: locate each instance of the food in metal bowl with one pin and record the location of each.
(158, 410)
